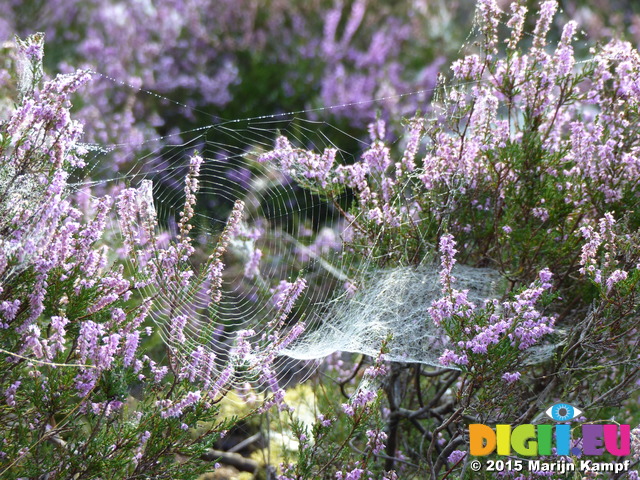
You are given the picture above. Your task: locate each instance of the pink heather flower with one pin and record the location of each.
(214, 275)
(448, 251)
(507, 229)
(105, 300)
(511, 377)
(589, 249)
(489, 14)
(222, 381)
(190, 188)
(8, 311)
(127, 208)
(516, 24)
(541, 213)
(292, 334)
(105, 408)
(467, 67)
(190, 370)
(375, 371)
(360, 399)
(208, 369)
(546, 13)
(348, 409)
(159, 373)
(563, 58)
(615, 277)
(105, 354)
(350, 288)
(32, 341)
(85, 381)
(440, 310)
(118, 316)
(141, 445)
(243, 347)
(302, 164)
(34, 51)
(635, 443)
(231, 229)
(282, 150)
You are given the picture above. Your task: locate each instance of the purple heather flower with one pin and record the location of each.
(545, 277)
(130, 347)
(546, 13)
(354, 474)
(286, 294)
(56, 338)
(377, 157)
(9, 309)
(240, 176)
(176, 409)
(616, 277)
(377, 130)
(222, 381)
(376, 440)
(511, 377)
(516, 24)
(449, 357)
(456, 456)
(10, 393)
(32, 341)
(177, 326)
(416, 127)
(252, 267)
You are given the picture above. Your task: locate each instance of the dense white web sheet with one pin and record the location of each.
(390, 306)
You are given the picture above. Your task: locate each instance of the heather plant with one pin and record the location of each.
(515, 192)
(86, 287)
(527, 166)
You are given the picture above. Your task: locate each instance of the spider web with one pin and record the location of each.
(302, 235)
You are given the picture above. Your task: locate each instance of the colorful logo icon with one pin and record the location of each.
(562, 412)
(546, 439)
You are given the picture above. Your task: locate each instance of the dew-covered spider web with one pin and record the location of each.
(349, 303)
